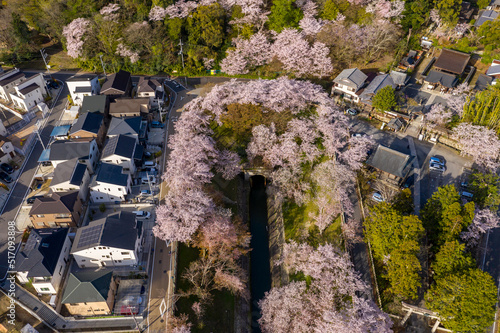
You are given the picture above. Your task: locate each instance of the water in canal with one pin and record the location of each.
(260, 272)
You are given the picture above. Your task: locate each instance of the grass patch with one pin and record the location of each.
(219, 315)
(298, 226)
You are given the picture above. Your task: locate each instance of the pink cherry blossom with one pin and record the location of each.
(109, 12)
(74, 33)
(484, 220)
(478, 142)
(437, 115)
(124, 51)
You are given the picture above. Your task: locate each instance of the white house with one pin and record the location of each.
(6, 150)
(8, 81)
(494, 71)
(151, 88)
(85, 150)
(28, 94)
(115, 240)
(110, 184)
(348, 83)
(43, 259)
(80, 86)
(69, 176)
(119, 150)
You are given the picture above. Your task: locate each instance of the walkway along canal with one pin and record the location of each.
(260, 274)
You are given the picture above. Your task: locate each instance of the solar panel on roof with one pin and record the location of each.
(90, 236)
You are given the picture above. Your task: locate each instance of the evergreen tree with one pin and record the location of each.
(284, 14)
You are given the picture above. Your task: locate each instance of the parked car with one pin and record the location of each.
(437, 167)
(152, 179)
(464, 184)
(31, 200)
(147, 154)
(141, 214)
(46, 163)
(378, 197)
(145, 192)
(437, 160)
(466, 195)
(356, 135)
(352, 111)
(5, 177)
(409, 182)
(7, 168)
(151, 171)
(157, 124)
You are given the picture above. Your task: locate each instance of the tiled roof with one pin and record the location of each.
(111, 174)
(29, 88)
(452, 61)
(90, 122)
(390, 161)
(58, 203)
(444, 79)
(121, 145)
(62, 150)
(351, 77)
(117, 81)
(87, 286)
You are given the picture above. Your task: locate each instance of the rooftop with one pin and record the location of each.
(444, 79)
(58, 203)
(41, 252)
(379, 82)
(29, 88)
(351, 77)
(452, 61)
(85, 89)
(483, 81)
(147, 84)
(60, 130)
(129, 105)
(95, 103)
(90, 122)
(62, 150)
(111, 174)
(485, 16)
(117, 81)
(70, 171)
(10, 78)
(390, 161)
(121, 145)
(87, 286)
(83, 77)
(494, 69)
(118, 230)
(126, 126)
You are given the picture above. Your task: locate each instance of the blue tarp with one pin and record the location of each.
(60, 130)
(44, 156)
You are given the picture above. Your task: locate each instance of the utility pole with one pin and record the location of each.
(180, 52)
(44, 56)
(37, 131)
(102, 64)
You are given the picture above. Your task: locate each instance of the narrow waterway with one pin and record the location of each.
(260, 272)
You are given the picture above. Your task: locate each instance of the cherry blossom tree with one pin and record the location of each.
(479, 142)
(157, 13)
(74, 33)
(435, 17)
(438, 115)
(330, 301)
(484, 220)
(386, 9)
(457, 98)
(109, 12)
(124, 51)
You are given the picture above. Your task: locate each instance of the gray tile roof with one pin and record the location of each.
(390, 161)
(90, 122)
(483, 81)
(41, 252)
(452, 61)
(71, 171)
(139, 151)
(117, 81)
(87, 286)
(399, 78)
(147, 84)
(29, 88)
(130, 106)
(444, 79)
(111, 174)
(95, 103)
(351, 77)
(58, 203)
(118, 230)
(486, 15)
(126, 126)
(379, 82)
(85, 89)
(62, 150)
(121, 145)
(11, 78)
(494, 69)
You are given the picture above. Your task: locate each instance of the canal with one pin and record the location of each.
(260, 272)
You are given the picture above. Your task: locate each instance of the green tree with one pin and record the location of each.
(485, 187)
(284, 14)
(465, 302)
(330, 10)
(403, 202)
(483, 3)
(489, 32)
(415, 14)
(444, 216)
(484, 108)
(388, 230)
(449, 10)
(385, 99)
(403, 270)
(451, 259)
(206, 26)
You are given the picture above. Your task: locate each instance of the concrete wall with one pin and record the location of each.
(105, 256)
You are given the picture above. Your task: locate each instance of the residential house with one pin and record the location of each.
(29, 93)
(80, 86)
(110, 184)
(379, 82)
(411, 60)
(131, 126)
(440, 79)
(129, 107)
(483, 81)
(71, 176)
(151, 88)
(117, 85)
(85, 150)
(452, 62)
(494, 71)
(8, 81)
(348, 83)
(120, 150)
(495, 4)
(90, 293)
(111, 241)
(7, 151)
(400, 79)
(61, 209)
(393, 165)
(485, 16)
(43, 258)
(97, 103)
(89, 125)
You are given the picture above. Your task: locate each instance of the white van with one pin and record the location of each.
(152, 179)
(141, 214)
(149, 164)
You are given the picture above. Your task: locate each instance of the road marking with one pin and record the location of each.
(163, 307)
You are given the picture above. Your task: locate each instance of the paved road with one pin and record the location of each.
(19, 190)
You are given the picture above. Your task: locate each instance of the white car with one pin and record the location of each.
(152, 179)
(436, 160)
(141, 214)
(378, 197)
(436, 167)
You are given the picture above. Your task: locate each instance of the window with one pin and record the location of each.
(40, 215)
(84, 260)
(44, 289)
(125, 253)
